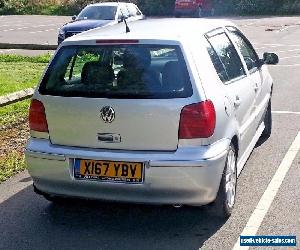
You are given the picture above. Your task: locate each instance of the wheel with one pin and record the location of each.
(199, 12)
(177, 15)
(224, 203)
(268, 122)
(212, 12)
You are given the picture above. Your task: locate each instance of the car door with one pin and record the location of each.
(255, 74)
(237, 85)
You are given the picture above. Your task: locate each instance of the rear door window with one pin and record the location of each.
(124, 11)
(118, 71)
(247, 51)
(227, 56)
(133, 11)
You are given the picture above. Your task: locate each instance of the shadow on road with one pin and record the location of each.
(27, 221)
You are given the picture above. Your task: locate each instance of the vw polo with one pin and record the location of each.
(159, 115)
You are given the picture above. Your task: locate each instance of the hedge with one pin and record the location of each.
(150, 7)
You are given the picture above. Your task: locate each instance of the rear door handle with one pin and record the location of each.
(237, 102)
(256, 88)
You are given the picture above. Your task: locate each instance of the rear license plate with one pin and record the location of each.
(109, 171)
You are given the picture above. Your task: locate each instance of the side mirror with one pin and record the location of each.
(74, 17)
(270, 58)
(121, 19)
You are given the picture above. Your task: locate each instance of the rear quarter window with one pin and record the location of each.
(118, 71)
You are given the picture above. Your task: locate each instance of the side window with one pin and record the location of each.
(131, 10)
(138, 12)
(219, 66)
(228, 56)
(124, 11)
(245, 47)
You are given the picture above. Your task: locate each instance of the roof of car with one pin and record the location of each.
(160, 28)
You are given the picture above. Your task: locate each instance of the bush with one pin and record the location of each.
(291, 7)
(150, 7)
(155, 8)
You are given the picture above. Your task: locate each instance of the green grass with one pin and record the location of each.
(12, 125)
(11, 165)
(13, 113)
(20, 72)
(33, 59)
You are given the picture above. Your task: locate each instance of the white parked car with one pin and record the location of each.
(165, 114)
(99, 15)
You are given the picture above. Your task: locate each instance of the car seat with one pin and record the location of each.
(95, 73)
(173, 78)
(136, 73)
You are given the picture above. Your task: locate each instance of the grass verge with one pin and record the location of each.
(20, 72)
(11, 165)
(13, 114)
(14, 133)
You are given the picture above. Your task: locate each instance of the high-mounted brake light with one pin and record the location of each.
(124, 41)
(197, 120)
(37, 117)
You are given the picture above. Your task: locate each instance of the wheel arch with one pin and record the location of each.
(235, 143)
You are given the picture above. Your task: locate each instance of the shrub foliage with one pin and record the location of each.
(150, 7)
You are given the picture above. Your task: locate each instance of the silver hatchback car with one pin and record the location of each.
(165, 114)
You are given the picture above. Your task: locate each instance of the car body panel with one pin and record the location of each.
(177, 171)
(166, 182)
(84, 25)
(77, 122)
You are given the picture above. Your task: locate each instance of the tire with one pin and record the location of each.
(268, 122)
(212, 12)
(177, 15)
(223, 205)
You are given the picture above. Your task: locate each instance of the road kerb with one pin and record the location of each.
(28, 46)
(16, 97)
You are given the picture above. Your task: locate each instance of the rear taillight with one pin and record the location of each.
(37, 117)
(197, 120)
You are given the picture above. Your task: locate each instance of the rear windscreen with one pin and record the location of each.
(118, 71)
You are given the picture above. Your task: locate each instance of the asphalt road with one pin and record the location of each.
(27, 221)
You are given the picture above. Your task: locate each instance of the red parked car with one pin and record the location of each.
(196, 8)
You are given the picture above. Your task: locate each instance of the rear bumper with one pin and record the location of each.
(188, 176)
(190, 10)
(185, 11)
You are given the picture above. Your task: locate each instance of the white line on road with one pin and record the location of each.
(286, 112)
(280, 51)
(40, 31)
(266, 200)
(30, 27)
(276, 45)
(287, 65)
(289, 57)
(7, 50)
(284, 51)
